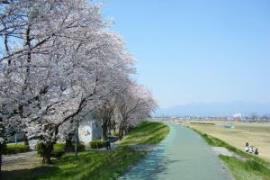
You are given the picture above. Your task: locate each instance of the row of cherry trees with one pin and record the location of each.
(58, 62)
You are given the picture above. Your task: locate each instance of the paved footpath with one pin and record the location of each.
(182, 155)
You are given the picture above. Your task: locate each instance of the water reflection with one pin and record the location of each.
(154, 163)
(183, 154)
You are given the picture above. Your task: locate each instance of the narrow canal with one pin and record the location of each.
(182, 155)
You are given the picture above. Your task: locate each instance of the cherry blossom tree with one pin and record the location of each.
(58, 62)
(134, 105)
(42, 76)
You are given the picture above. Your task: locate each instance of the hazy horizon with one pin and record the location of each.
(216, 109)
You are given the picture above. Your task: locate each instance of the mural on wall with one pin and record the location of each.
(89, 129)
(85, 134)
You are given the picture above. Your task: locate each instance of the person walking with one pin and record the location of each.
(108, 144)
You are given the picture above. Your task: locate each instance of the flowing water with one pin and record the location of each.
(182, 155)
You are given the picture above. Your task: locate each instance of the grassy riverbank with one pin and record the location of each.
(250, 168)
(146, 133)
(97, 165)
(257, 134)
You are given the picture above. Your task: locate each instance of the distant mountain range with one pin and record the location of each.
(216, 109)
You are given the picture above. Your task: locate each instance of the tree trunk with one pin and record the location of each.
(0, 158)
(121, 131)
(25, 140)
(114, 127)
(76, 137)
(109, 129)
(46, 153)
(2, 151)
(122, 128)
(126, 130)
(69, 145)
(105, 130)
(47, 159)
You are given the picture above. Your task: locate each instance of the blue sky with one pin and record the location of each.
(197, 51)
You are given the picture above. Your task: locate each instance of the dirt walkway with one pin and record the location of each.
(21, 161)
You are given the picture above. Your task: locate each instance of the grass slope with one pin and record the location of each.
(147, 133)
(257, 134)
(97, 165)
(253, 168)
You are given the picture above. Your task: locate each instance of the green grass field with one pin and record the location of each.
(98, 165)
(146, 133)
(251, 168)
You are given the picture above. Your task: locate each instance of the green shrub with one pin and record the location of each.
(71, 148)
(3, 148)
(39, 149)
(58, 147)
(115, 133)
(97, 144)
(16, 148)
(58, 150)
(81, 147)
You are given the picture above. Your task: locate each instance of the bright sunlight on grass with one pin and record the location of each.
(147, 133)
(250, 168)
(98, 165)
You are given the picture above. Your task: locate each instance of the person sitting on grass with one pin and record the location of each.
(247, 147)
(256, 151)
(251, 149)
